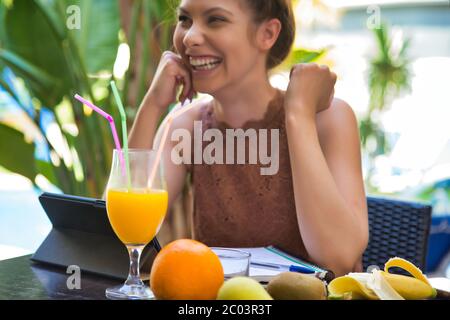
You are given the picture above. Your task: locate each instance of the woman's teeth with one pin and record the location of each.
(204, 64)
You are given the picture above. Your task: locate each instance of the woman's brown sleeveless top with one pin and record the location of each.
(236, 206)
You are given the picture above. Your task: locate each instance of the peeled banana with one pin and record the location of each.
(347, 287)
(383, 285)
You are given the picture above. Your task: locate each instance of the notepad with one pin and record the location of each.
(271, 254)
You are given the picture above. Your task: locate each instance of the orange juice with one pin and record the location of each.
(136, 215)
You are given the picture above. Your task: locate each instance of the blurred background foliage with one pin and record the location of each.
(45, 62)
(389, 77)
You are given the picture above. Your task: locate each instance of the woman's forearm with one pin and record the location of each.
(329, 227)
(144, 128)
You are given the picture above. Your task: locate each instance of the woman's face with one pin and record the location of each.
(212, 37)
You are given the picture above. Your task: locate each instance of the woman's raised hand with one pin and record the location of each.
(311, 89)
(170, 74)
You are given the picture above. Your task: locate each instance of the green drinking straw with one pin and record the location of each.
(123, 118)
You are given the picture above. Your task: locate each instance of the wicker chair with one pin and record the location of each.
(397, 229)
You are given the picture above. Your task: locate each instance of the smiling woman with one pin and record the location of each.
(314, 206)
(229, 31)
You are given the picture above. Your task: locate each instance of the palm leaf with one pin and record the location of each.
(27, 69)
(16, 153)
(98, 37)
(32, 38)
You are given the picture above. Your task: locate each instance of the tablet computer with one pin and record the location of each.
(81, 235)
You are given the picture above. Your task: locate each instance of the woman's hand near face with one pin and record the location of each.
(170, 74)
(310, 91)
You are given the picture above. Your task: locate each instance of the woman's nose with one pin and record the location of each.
(193, 37)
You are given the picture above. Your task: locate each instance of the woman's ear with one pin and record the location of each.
(268, 33)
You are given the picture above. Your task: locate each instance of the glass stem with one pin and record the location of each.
(134, 278)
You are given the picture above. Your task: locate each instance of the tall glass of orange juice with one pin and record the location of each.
(136, 209)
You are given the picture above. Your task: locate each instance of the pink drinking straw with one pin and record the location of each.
(111, 124)
(164, 137)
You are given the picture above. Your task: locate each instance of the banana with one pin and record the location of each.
(383, 285)
(407, 266)
(348, 287)
(408, 287)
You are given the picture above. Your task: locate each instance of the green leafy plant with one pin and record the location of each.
(54, 63)
(389, 76)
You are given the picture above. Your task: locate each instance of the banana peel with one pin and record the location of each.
(415, 288)
(409, 288)
(347, 287)
(407, 266)
(382, 285)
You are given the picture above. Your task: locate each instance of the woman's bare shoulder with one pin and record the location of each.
(338, 119)
(186, 120)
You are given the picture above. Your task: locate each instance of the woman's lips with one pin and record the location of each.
(204, 65)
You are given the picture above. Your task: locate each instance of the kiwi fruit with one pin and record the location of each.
(296, 286)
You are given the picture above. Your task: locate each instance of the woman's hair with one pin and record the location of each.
(264, 10)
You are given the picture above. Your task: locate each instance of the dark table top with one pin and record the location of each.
(22, 279)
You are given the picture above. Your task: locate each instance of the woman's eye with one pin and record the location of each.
(216, 19)
(183, 19)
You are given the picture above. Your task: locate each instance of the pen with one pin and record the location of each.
(283, 267)
(323, 275)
